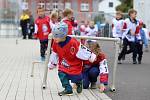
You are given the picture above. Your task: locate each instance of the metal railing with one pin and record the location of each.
(9, 28)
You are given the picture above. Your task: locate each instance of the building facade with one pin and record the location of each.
(108, 6)
(83, 9)
(9, 9)
(142, 7)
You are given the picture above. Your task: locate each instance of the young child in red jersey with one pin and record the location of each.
(68, 14)
(68, 54)
(92, 70)
(42, 30)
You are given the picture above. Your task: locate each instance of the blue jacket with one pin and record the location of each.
(143, 37)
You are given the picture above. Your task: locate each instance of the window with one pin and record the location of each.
(110, 4)
(61, 6)
(24, 5)
(67, 5)
(55, 5)
(84, 7)
(41, 5)
(48, 6)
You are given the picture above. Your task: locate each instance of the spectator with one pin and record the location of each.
(31, 26)
(24, 21)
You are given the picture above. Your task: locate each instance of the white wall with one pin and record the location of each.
(104, 6)
(143, 9)
(109, 11)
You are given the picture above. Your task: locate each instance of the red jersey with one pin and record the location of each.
(70, 27)
(42, 28)
(68, 62)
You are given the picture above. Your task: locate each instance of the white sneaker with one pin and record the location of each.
(119, 62)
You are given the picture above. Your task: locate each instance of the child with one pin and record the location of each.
(54, 19)
(130, 29)
(93, 70)
(42, 30)
(75, 30)
(146, 42)
(68, 53)
(140, 40)
(92, 29)
(117, 26)
(82, 29)
(68, 14)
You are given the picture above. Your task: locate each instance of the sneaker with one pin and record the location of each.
(79, 87)
(134, 62)
(42, 58)
(93, 85)
(24, 38)
(68, 93)
(146, 49)
(119, 62)
(139, 62)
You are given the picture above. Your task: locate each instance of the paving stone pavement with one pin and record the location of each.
(15, 70)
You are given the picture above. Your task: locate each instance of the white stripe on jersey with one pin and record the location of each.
(103, 67)
(85, 54)
(53, 60)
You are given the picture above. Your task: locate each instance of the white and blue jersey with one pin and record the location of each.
(130, 26)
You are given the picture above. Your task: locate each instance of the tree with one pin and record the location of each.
(125, 5)
(99, 18)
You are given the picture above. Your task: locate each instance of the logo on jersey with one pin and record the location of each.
(72, 50)
(44, 28)
(104, 66)
(64, 63)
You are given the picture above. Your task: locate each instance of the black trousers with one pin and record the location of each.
(125, 50)
(31, 31)
(90, 75)
(24, 32)
(138, 51)
(43, 47)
